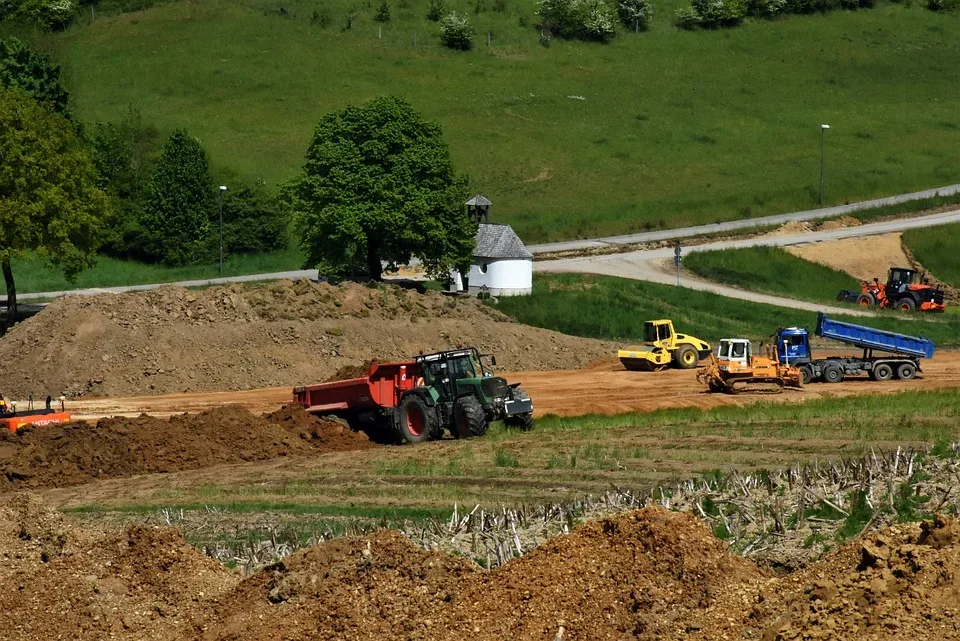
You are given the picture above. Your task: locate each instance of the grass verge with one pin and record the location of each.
(937, 249)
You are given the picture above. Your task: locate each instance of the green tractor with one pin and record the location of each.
(456, 392)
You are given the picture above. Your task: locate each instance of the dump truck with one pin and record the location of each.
(663, 347)
(13, 418)
(416, 400)
(905, 290)
(885, 354)
(736, 368)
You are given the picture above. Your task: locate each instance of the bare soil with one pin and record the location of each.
(648, 574)
(863, 258)
(75, 453)
(174, 340)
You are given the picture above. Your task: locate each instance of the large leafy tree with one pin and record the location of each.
(379, 187)
(49, 198)
(33, 73)
(179, 202)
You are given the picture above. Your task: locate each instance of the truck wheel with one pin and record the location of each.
(906, 305)
(686, 357)
(415, 422)
(468, 417)
(523, 421)
(882, 372)
(906, 371)
(832, 373)
(806, 374)
(866, 300)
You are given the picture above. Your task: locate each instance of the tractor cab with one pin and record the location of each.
(903, 278)
(793, 345)
(735, 351)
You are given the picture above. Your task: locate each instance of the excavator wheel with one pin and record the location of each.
(866, 300)
(686, 357)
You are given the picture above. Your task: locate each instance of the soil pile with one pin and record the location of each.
(650, 574)
(62, 455)
(58, 582)
(172, 339)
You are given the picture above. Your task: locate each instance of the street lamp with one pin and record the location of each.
(223, 188)
(822, 129)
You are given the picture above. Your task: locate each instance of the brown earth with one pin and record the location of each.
(172, 340)
(649, 574)
(75, 453)
(863, 258)
(602, 387)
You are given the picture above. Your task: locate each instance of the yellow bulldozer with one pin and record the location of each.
(736, 368)
(663, 347)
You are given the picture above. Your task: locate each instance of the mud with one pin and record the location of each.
(649, 574)
(75, 453)
(174, 340)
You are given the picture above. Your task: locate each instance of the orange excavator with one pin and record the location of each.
(905, 290)
(13, 419)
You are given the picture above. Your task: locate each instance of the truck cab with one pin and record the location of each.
(793, 345)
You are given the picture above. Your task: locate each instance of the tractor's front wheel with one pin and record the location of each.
(415, 421)
(468, 418)
(523, 421)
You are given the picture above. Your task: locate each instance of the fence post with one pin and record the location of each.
(489, 35)
(414, 40)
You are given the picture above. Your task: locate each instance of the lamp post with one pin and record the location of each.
(823, 128)
(223, 188)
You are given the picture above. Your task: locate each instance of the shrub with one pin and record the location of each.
(943, 5)
(456, 32)
(635, 13)
(383, 12)
(435, 10)
(766, 8)
(47, 14)
(500, 6)
(686, 18)
(587, 19)
(710, 14)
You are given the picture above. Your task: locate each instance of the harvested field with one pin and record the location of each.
(647, 574)
(74, 453)
(174, 340)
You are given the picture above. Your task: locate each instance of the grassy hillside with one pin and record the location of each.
(771, 270)
(937, 249)
(615, 309)
(658, 129)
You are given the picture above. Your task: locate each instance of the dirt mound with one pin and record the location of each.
(347, 372)
(863, 258)
(633, 576)
(172, 339)
(75, 453)
(139, 584)
(837, 223)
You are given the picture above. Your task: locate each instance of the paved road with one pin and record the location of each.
(734, 225)
(656, 265)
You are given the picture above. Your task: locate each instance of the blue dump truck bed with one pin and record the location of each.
(869, 338)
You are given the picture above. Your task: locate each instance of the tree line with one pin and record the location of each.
(378, 188)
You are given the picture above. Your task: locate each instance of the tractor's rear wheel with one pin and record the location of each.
(415, 421)
(468, 418)
(906, 305)
(686, 357)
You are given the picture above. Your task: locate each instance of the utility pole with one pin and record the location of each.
(223, 188)
(823, 128)
(677, 259)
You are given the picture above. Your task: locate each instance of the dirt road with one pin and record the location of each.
(604, 388)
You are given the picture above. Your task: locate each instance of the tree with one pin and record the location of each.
(252, 220)
(49, 198)
(179, 202)
(33, 73)
(379, 186)
(456, 32)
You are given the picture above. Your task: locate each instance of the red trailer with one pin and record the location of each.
(367, 402)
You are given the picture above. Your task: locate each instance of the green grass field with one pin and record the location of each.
(661, 129)
(32, 274)
(937, 249)
(771, 270)
(615, 309)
